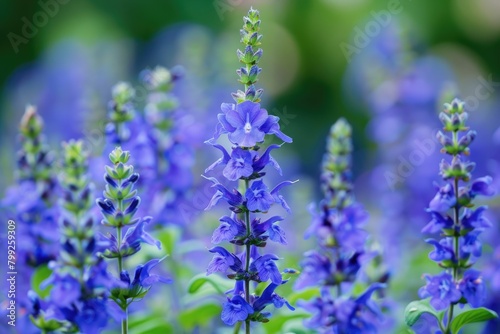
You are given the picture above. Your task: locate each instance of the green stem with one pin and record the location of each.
(246, 86)
(456, 221)
(247, 263)
(441, 327)
(125, 323)
(119, 238)
(237, 327)
(450, 318)
(81, 268)
(118, 131)
(120, 266)
(456, 249)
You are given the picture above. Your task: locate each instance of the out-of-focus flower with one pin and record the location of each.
(80, 282)
(339, 231)
(31, 204)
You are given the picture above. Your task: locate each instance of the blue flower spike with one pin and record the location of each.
(338, 261)
(118, 208)
(455, 223)
(247, 126)
(79, 298)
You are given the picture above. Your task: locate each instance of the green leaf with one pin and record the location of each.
(295, 326)
(475, 315)
(281, 320)
(149, 323)
(41, 274)
(154, 326)
(305, 294)
(416, 308)
(199, 316)
(200, 280)
(169, 238)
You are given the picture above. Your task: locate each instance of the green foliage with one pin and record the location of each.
(200, 280)
(40, 274)
(149, 323)
(291, 321)
(50, 325)
(475, 315)
(305, 294)
(295, 326)
(169, 237)
(201, 315)
(418, 307)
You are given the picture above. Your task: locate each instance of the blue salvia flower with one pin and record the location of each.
(80, 283)
(455, 223)
(338, 227)
(31, 204)
(118, 208)
(246, 125)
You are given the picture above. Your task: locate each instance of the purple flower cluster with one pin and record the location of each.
(400, 88)
(80, 282)
(30, 203)
(33, 197)
(118, 208)
(246, 125)
(159, 138)
(455, 219)
(338, 228)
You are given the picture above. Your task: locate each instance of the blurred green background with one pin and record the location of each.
(303, 65)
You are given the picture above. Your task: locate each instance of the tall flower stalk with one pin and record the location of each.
(36, 177)
(334, 267)
(458, 225)
(31, 203)
(80, 283)
(246, 125)
(118, 207)
(160, 138)
(172, 132)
